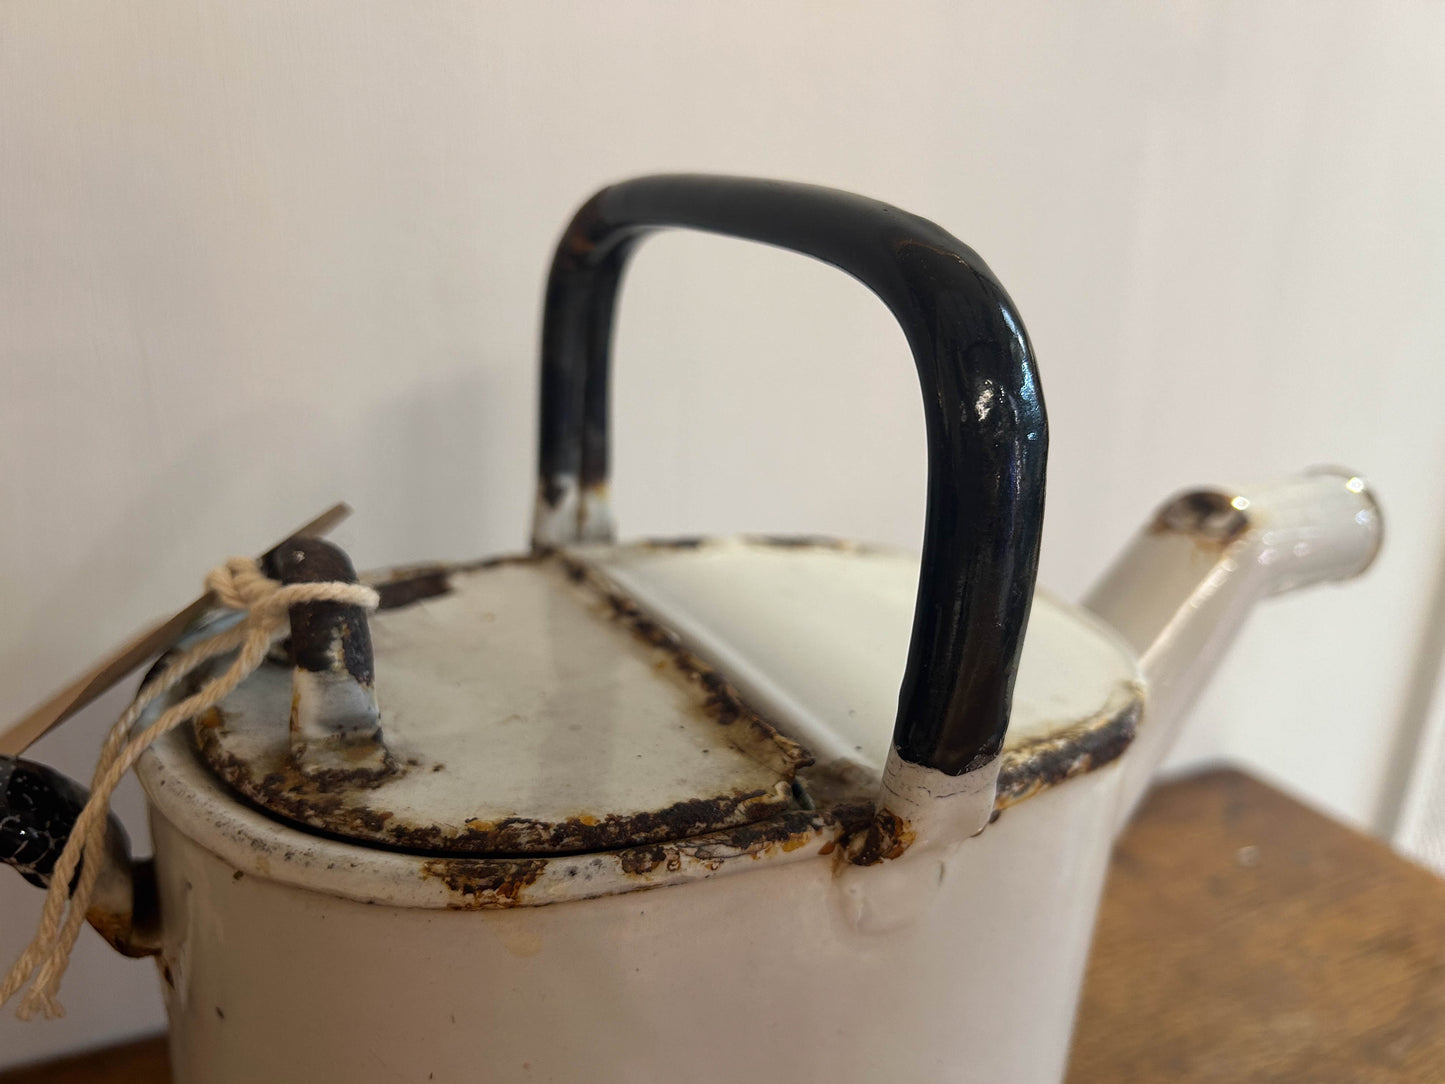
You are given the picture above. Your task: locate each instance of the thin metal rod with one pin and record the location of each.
(132, 654)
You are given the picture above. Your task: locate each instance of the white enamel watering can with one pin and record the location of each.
(659, 811)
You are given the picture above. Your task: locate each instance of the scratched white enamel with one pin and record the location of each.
(517, 694)
(520, 695)
(816, 638)
(781, 973)
(289, 955)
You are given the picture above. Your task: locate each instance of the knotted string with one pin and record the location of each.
(239, 584)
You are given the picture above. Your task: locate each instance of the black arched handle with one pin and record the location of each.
(987, 435)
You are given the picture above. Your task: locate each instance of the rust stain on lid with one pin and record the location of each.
(529, 708)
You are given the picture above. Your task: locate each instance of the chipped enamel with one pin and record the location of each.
(815, 636)
(515, 695)
(520, 695)
(270, 928)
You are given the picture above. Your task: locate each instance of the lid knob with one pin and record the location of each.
(335, 722)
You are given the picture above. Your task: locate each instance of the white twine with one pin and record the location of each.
(239, 584)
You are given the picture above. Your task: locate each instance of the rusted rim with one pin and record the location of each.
(351, 868)
(184, 791)
(350, 801)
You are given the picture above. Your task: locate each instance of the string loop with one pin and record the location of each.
(239, 584)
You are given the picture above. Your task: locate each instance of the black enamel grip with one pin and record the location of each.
(38, 808)
(987, 434)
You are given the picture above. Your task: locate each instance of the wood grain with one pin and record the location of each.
(1243, 937)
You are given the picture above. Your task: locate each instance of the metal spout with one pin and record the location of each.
(1181, 592)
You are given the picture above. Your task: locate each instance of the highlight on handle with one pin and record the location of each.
(987, 435)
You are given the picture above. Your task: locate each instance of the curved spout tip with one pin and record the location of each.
(1322, 524)
(1367, 523)
(1182, 591)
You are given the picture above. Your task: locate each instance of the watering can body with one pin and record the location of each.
(701, 808)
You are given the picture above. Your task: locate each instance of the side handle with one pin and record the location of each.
(38, 809)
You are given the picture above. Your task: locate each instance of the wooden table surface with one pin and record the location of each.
(1243, 937)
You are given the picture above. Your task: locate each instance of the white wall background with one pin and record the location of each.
(255, 257)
